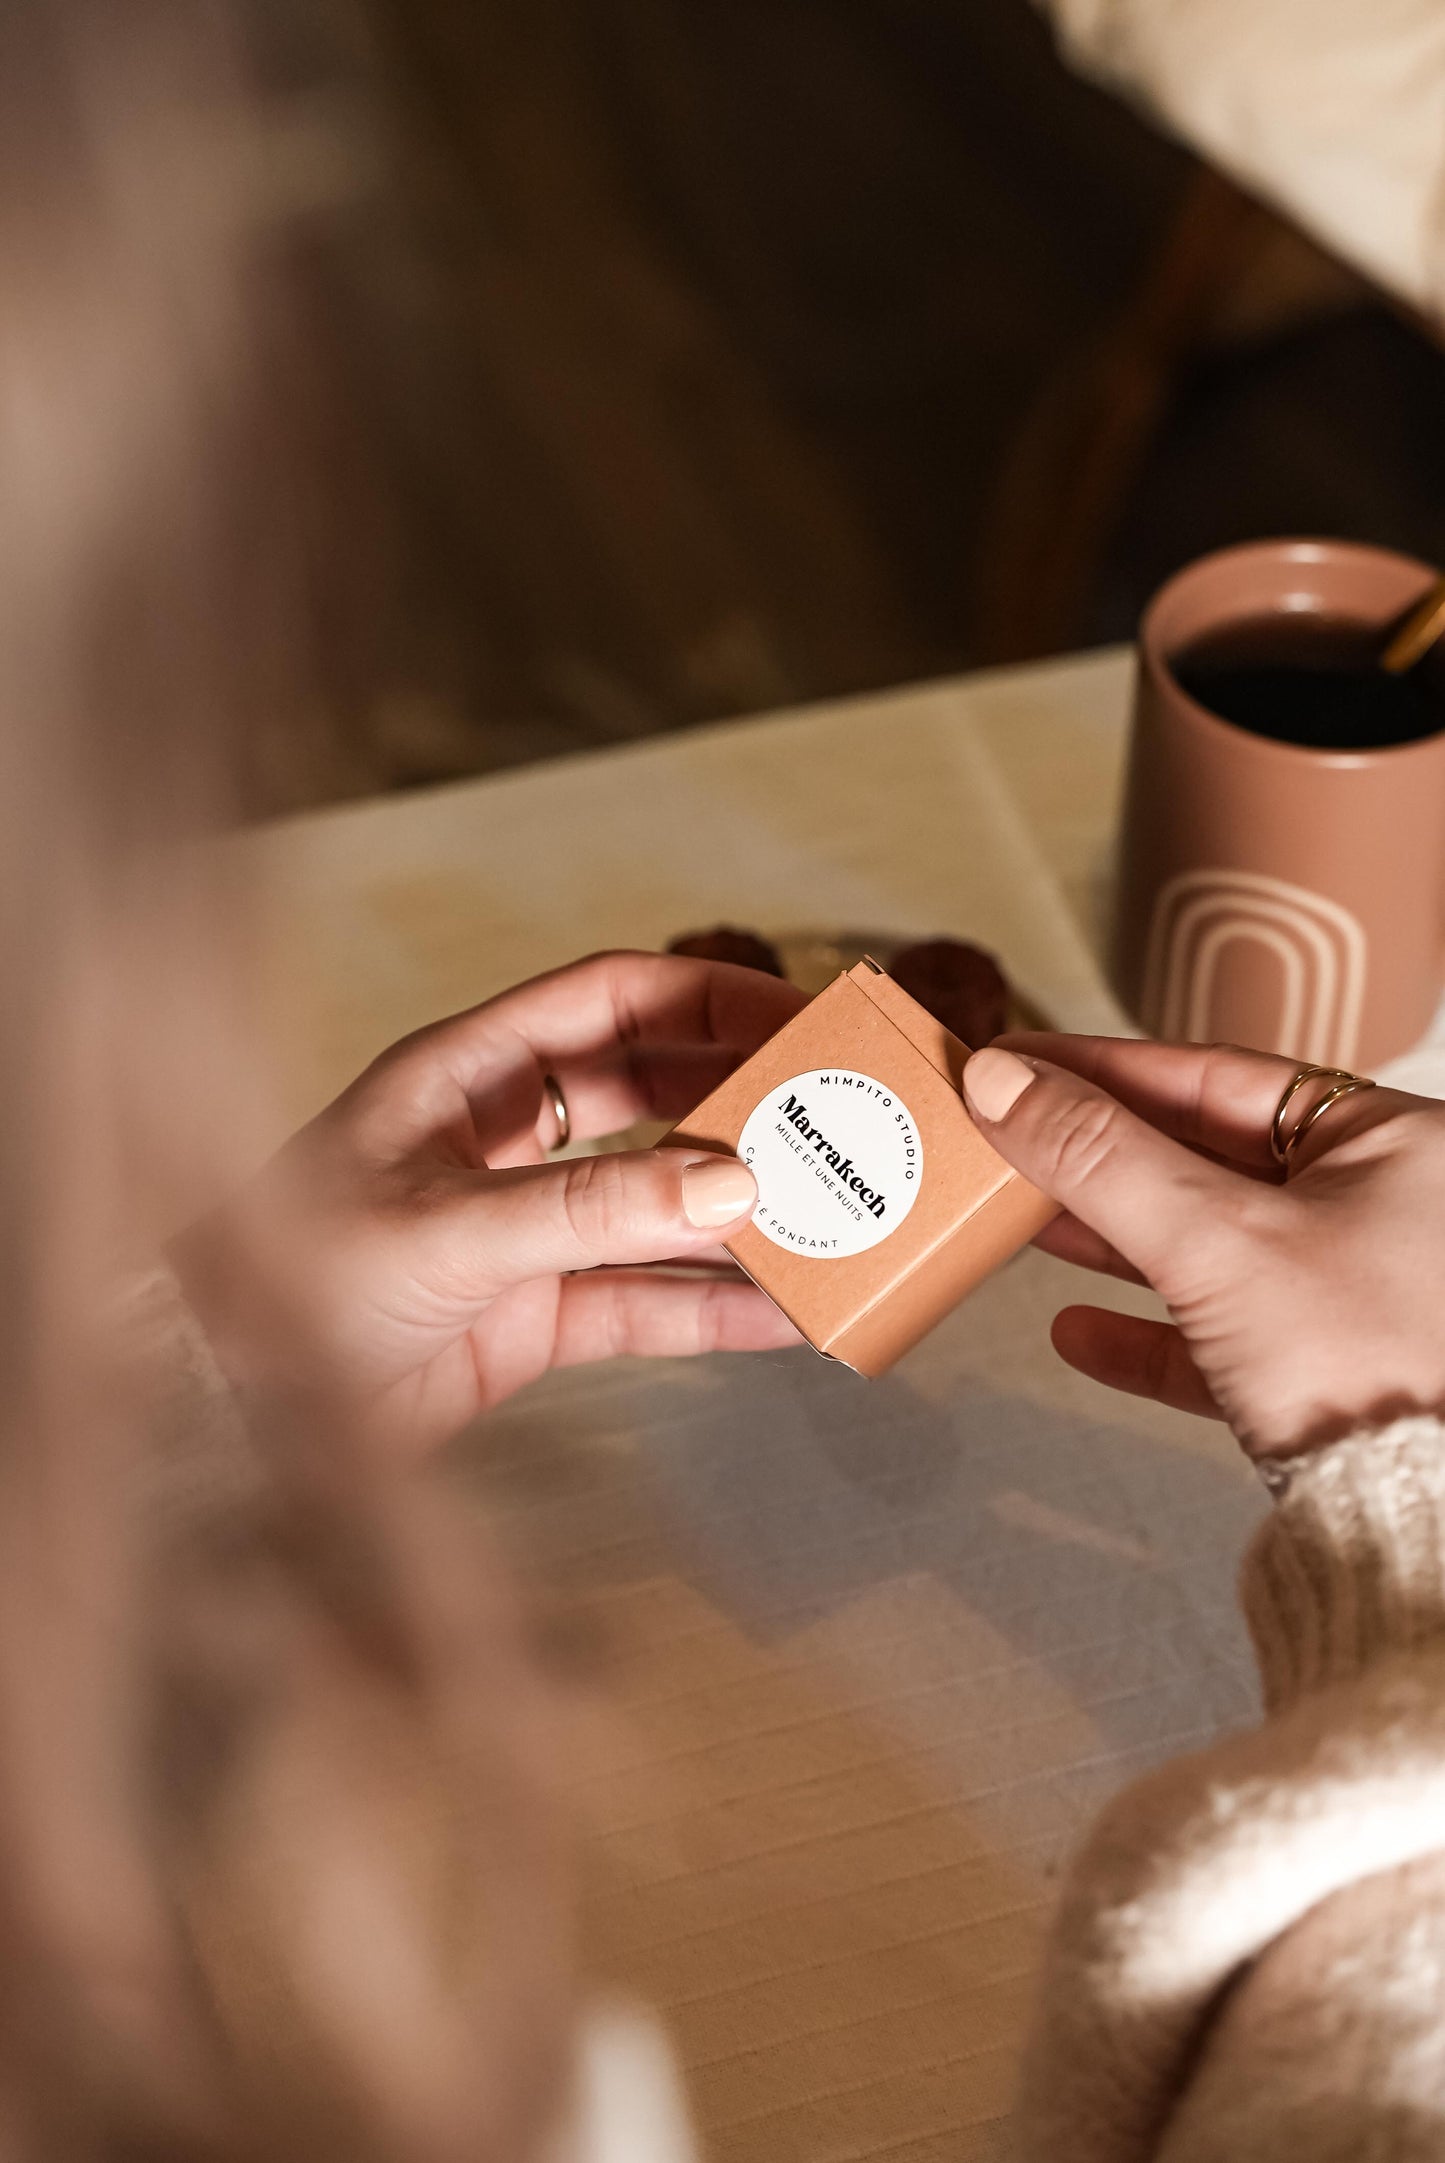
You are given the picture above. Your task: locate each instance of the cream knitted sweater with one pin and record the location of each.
(1249, 1960)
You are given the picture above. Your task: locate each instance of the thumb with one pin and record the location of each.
(648, 1205)
(1148, 1196)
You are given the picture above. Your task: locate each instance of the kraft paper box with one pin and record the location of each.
(880, 1204)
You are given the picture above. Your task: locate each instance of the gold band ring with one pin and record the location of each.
(1282, 1147)
(552, 1091)
(1277, 1147)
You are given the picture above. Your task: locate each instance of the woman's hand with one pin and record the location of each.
(409, 1258)
(1300, 1311)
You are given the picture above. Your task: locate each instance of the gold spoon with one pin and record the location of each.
(1417, 634)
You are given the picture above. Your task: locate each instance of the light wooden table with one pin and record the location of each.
(874, 1652)
(982, 806)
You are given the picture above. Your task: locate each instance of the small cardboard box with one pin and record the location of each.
(880, 1205)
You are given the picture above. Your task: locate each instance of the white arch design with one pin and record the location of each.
(1321, 948)
(1316, 967)
(1200, 988)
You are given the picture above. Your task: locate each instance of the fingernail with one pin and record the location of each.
(993, 1082)
(715, 1191)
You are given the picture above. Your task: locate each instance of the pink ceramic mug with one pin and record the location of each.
(1273, 894)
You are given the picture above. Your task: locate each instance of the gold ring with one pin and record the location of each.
(1304, 1074)
(1281, 1147)
(552, 1091)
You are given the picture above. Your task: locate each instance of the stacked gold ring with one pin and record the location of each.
(1282, 1147)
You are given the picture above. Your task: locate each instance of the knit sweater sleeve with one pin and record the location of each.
(1351, 1567)
(1200, 1882)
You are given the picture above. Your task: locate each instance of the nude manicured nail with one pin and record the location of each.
(993, 1082)
(716, 1191)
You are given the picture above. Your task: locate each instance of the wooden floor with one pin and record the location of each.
(724, 323)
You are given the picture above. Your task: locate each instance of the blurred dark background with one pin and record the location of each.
(773, 349)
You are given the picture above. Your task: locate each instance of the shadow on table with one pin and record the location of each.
(799, 1500)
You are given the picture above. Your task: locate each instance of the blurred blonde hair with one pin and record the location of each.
(279, 1869)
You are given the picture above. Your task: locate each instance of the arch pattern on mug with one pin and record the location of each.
(1319, 946)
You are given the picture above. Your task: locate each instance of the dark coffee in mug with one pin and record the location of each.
(1282, 861)
(1311, 679)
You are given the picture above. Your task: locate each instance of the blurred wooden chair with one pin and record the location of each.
(1332, 113)
(1229, 271)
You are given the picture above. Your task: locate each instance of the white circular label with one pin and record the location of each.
(837, 1159)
